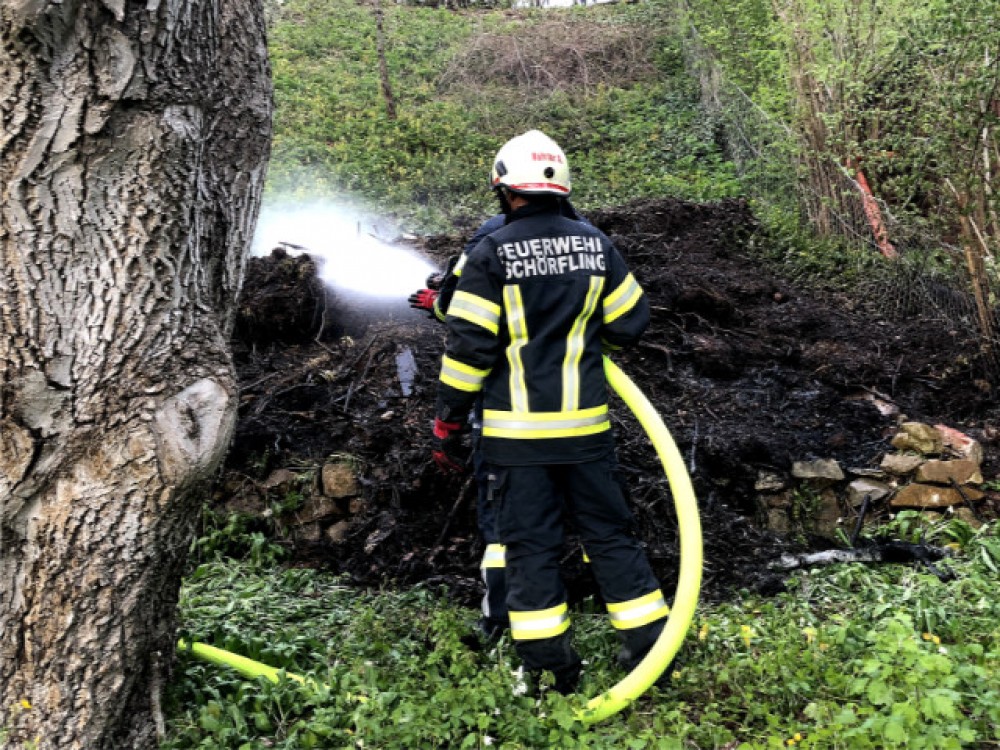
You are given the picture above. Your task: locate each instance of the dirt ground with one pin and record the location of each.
(748, 371)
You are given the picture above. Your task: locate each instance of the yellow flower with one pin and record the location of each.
(25, 704)
(703, 632)
(810, 634)
(676, 675)
(747, 633)
(798, 737)
(926, 636)
(936, 640)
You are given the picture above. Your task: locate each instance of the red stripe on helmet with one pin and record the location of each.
(539, 186)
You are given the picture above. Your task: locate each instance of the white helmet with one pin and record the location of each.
(532, 163)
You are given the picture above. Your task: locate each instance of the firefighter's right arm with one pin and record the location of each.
(454, 271)
(473, 344)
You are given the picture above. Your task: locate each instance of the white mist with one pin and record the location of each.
(353, 257)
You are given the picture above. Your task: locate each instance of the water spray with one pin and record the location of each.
(685, 597)
(352, 255)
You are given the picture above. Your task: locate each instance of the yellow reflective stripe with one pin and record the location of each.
(495, 556)
(518, 328)
(461, 376)
(638, 612)
(545, 424)
(457, 270)
(574, 347)
(475, 309)
(539, 623)
(622, 299)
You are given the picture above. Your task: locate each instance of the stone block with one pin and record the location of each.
(960, 444)
(962, 471)
(769, 481)
(317, 508)
(823, 469)
(337, 532)
(280, 479)
(338, 479)
(827, 517)
(917, 495)
(310, 532)
(861, 488)
(901, 464)
(919, 437)
(777, 520)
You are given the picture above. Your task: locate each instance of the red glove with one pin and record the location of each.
(423, 299)
(447, 444)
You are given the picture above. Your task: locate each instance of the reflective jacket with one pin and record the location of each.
(536, 303)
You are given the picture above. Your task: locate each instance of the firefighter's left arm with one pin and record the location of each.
(473, 344)
(625, 305)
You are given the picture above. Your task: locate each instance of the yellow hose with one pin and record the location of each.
(685, 599)
(243, 665)
(689, 578)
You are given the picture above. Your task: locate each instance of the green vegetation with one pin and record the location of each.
(898, 96)
(850, 657)
(607, 83)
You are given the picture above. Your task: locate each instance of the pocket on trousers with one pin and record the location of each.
(496, 497)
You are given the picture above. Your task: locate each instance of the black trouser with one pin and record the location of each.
(533, 500)
(493, 566)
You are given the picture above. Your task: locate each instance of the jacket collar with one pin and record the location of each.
(533, 209)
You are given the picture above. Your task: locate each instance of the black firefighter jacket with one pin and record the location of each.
(537, 303)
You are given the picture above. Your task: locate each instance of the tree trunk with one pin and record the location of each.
(133, 146)
(383, 65)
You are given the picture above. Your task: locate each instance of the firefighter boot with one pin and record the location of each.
(555, 655)
(636, 643)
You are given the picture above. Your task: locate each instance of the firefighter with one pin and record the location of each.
(537, 302)
(434, 299)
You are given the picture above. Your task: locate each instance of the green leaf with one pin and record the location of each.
(879, 693)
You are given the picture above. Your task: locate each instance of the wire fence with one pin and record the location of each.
(927, 276)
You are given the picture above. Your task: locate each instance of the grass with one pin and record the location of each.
(849, 657)
(643, 136)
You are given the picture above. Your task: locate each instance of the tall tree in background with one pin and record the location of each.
(133, 146)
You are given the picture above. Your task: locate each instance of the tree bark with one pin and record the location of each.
(133, 146)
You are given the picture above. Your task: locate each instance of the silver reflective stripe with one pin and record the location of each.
(622, 299)
(556, 423)
(575, 345)
(541, 624)
(476, 310)
(544, 623)
(637, 612)
(461, 376)
(494, 556)
(518, 329)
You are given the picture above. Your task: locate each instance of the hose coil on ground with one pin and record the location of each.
(652, 666)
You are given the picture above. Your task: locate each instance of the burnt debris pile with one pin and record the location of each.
(754, 375)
